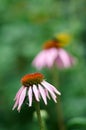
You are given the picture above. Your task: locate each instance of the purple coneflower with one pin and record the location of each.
(53, 54)
(34, 87)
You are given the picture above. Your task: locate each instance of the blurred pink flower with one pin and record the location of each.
(45, 58)
(34, 87)
(64, 59)
(51, 56)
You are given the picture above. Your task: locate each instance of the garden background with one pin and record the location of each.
(24, 26)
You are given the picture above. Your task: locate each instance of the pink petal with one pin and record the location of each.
(43, 94)
(54, 99)
(45, 58)
(51, 57)
(59, 62)
(36, 92)
(65, 58)
(21, 98)
(52, 87)
(50, 90)
(30, 96)
(47, 94)
(18, 93)
(39, 60)
(73, 60)
(17, 98)
(16, 104)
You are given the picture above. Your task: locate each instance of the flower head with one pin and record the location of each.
(53, 53)
(34, 87)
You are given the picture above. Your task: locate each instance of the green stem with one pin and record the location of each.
(59, 110)
(60, 115)
(41, 124)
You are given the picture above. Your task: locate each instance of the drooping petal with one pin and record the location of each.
(45, 58)
(47, 94)
(52, 87)
(51, 57)
(39, 60)
(16, 104)
(54, 98)
(36, 92)
(65, 58)
(18, 93)
(73, 60)
(50, 90)
(17, 97)
(30, 96)
(43, 94)
(59, 62)
(21, 98)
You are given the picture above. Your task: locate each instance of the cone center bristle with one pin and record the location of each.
(31, 79)
(54, 43)
(50, 44)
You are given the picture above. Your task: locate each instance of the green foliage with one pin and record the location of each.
(24, 27)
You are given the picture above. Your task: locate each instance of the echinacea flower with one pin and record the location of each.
(34, 87)
(54, 54)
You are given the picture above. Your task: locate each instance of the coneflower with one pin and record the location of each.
(35, 87)
(54, 54)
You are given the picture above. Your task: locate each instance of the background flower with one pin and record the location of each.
(54, 54)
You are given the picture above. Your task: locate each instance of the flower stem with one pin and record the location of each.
(60, 115)
(59, 110)
(41, 124)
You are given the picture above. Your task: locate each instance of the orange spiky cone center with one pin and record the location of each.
(31, 79)
(52, 44)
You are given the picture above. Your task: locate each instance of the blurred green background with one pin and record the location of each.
(24, 26)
